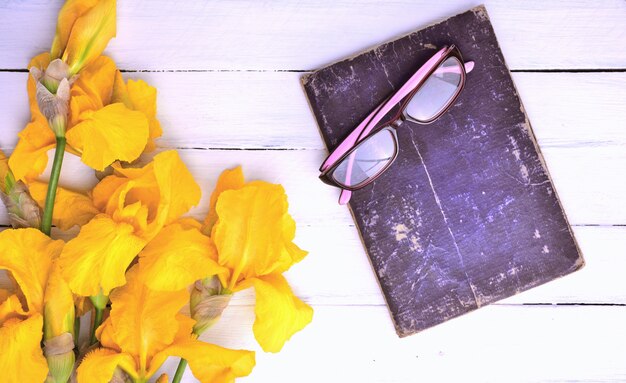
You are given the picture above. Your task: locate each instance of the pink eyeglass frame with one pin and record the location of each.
(372, 123)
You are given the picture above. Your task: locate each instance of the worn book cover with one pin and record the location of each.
(467, 215)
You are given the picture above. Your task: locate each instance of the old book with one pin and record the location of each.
(467, 215)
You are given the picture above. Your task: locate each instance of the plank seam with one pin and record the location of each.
(2, 226)
(564, 70)
(570, 304)
(269, 148)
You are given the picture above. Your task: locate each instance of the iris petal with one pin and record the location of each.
(71, 208)
(99, 365)
(209, 363)
(69, 13)
(279, 313)
(90, 34)
(109, 134)
(96, 260)
(230, 179)
(27, 254)
(177, 257)
(21, 357)
(254, 232)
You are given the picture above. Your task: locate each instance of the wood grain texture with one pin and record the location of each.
(578, 119)
(252, 110)
(588, 181)
(467, 214)
(271, 35)
(498, 343)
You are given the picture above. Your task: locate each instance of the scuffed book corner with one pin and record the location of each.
(467, 215)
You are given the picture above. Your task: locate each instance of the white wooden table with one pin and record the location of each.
(228, 74)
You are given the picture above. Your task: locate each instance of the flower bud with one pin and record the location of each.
(58, 327)
(207, 303)
(51, 78)
(59, 352)
(22, 209)
(53, 94)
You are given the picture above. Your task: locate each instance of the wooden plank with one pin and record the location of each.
(341, 258)
(494, 344)
(600, 281)
(263, 35)
(336, 254)
(269, 110)
(352, 329)
(588, 180)
(570, 110)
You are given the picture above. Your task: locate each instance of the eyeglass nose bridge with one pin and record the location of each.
(398, 123)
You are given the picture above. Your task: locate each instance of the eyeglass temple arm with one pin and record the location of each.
(345, 195)
(374, 118)
(363, 129)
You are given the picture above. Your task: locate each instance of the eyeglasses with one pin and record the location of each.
(372, 147)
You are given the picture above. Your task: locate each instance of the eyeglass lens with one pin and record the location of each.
(366, 160)
(437, 91)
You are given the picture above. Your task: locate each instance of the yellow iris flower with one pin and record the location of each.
(250, 246)
(30, 258)
(108, 119)
(78, 97)
(100, 129)
(134, 204)
(145, 328)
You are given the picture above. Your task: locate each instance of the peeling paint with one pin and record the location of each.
(400, 231)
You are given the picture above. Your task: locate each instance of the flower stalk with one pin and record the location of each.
(53, 96)
(96, 323)
(180, 370)
(99, 303)
(46, 220)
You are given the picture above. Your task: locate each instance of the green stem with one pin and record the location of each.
(76, 331)
(179, 371)
(97, 321)
(46, 220)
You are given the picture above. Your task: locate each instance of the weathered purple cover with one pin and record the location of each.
(467, 215)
